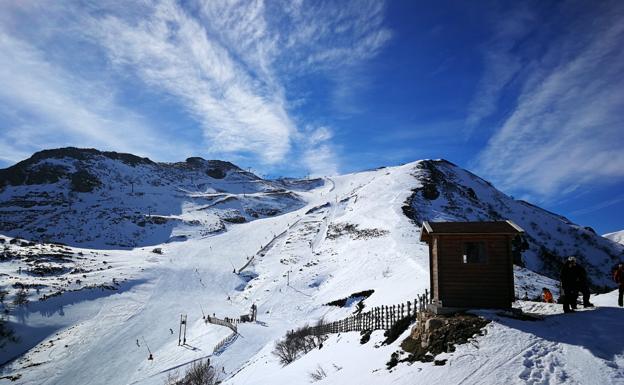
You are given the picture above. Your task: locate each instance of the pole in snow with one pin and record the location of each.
(150, 357)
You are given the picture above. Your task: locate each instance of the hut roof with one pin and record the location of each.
(494, 227)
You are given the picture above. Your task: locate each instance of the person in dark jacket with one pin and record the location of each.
(582, 284)
(569, 285)
(618, 277)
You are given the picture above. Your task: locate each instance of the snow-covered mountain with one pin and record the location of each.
(332, 238)
(617, 236)
(105, 200)
(449, 193)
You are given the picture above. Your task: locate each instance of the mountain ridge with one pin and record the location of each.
(135, 201)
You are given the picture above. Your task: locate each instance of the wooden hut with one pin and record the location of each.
(470, 264)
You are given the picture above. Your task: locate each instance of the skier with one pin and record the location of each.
(171, 330)
(583, 284)
(547, 296)
(569, 285)
(137, 342)
(618, 277)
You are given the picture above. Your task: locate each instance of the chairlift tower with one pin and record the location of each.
(182, 330)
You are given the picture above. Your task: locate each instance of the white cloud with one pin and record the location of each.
(501, 65)
(229, 62)
(319, 154)
(566, 128)
(45, 106)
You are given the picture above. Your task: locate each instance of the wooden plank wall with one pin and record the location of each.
(474, 284)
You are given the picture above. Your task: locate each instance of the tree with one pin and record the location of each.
(3, 294)
(6, 334)
(21, 297)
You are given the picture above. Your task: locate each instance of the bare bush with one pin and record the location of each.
(200, 373)
(318, 374)
(299, 342)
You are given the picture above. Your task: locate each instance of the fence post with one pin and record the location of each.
(387, 315)
(384, 311)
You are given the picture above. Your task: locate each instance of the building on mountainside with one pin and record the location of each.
(470, 264)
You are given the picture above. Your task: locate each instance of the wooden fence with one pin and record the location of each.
(378, 318)
(228, 323)
(224, 343)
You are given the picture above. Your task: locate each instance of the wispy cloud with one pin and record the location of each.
(44, 106)
(565, 129)
(500, 62)
(599, 206)
(228, 64)
(170, 50)
(319, 155)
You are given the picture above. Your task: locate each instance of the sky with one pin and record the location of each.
(528, 95)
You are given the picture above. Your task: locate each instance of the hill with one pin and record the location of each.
(342, 237)
(108, 200)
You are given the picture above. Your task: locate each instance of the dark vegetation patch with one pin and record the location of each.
(398, 328)
(262, 212)
(216, 173)
(46, 270)
(45, 173)
(430, 178)
(365, 336)
(216, 169)
(86, 154)
(340, 229)
(155, 220)
(317, 208)
(83, 181)
(28, 172)
(235, 219)
(11, 377)
(355, 297)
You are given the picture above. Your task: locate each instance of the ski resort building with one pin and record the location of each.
(470, 264)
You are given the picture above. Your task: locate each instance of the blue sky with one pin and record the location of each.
(528, 95)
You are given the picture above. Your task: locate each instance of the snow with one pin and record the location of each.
(617, 236)
(292, 264)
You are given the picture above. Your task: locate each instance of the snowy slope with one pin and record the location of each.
(107, 200)
(450, 193)
(352, 234)
(584, 348)
(617, 236)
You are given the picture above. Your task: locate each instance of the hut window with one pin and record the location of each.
(474, 252)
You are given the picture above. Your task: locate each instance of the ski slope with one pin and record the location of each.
(351, 235)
